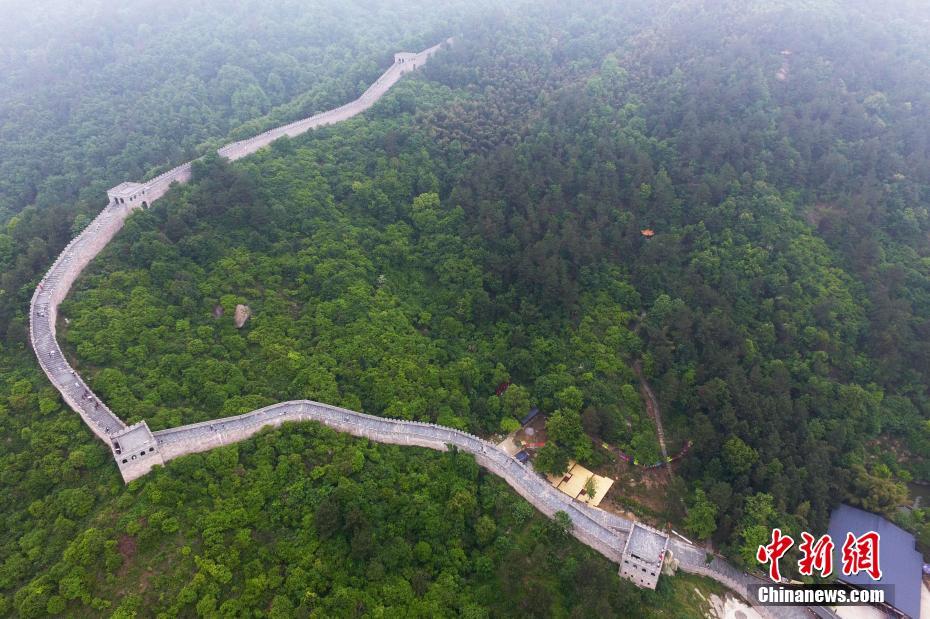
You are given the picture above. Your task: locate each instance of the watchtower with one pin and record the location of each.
(136, 451)
(643, 556)
(408, 61)
(130, 193)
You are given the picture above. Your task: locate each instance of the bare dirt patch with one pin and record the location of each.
(126, 545)
(637, 493)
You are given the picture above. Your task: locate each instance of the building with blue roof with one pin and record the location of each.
(898, 557)
(530, 416)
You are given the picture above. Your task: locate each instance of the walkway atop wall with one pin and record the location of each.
(123, 199)
(136, 449)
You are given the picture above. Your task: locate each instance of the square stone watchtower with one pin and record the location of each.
(129, 193)
(643, 556)
(136, 451)
(404, 57)
(407, 61)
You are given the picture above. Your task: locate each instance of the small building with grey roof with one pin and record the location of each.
(136, 450)
(643, 556)
(127, 193)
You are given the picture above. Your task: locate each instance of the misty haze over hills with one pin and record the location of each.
(721, 204)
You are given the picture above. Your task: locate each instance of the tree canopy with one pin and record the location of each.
(482, 224)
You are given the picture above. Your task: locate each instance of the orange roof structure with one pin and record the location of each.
(601, 486)
(648, 232)
(573, 482)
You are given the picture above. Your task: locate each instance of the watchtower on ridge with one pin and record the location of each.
(408, 61)
(136, 451)
(643, 556)
(128, 193)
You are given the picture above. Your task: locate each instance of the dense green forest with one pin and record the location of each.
(115, 92)
(306, 522)
(93, 94)
(482, 224)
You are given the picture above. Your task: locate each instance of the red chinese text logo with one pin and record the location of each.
(773, 552)
(816, 555)
(860, 554)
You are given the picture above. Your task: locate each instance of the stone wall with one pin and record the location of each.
(158, 186)
(598, 529)
(57, 282)
(693, 560)
(605, 533)
(43, 314)
(243, 148)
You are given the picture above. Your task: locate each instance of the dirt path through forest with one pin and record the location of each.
(652, 408)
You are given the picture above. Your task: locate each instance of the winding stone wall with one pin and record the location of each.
(601, 530)
(43, 313)
(57, 281)
(604, 532)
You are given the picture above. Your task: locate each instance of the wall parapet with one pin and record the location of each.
(123, 199)
(589, 523)
(143, 449)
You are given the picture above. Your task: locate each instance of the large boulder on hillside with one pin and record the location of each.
(242, 314)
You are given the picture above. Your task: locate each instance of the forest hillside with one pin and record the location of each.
(726, 202)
